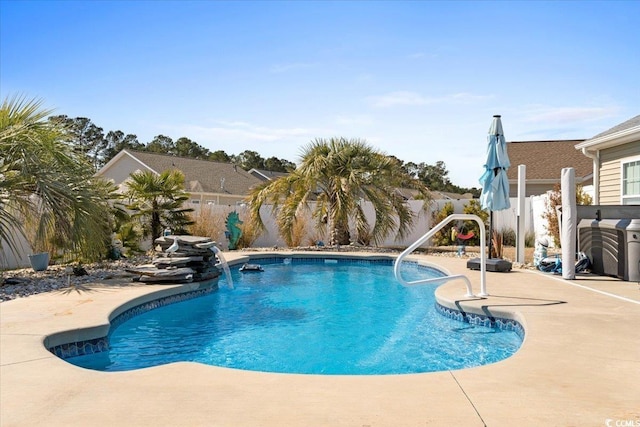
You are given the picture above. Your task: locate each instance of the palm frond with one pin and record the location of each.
(337, 174)
(44, 185)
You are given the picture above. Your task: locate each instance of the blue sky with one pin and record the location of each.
(417, 80)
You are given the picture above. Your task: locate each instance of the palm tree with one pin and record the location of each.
(47, 191)
(337, 174)
(156, 201)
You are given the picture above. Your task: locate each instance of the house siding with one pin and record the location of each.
(217, 198)
(223, 183)
(120, 170)
(610, 173)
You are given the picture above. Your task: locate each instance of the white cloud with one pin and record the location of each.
(243, 131)
(283, 68)
(465, 98)
(234, 124)
(236, 136)
(544, 122)
(355, 120)
(365, 78)
(546, 114)
(397, 98)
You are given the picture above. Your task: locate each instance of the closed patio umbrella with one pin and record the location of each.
(495, 184)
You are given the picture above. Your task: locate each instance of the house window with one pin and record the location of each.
(195, 201)
(631, 182)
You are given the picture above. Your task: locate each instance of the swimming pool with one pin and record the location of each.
(309, 316)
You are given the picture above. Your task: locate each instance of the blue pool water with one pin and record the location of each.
(310, 318)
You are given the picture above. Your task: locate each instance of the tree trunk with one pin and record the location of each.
(339, 235)
(156, 225)
(338, 228)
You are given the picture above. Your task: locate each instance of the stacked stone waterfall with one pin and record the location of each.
(180, 259)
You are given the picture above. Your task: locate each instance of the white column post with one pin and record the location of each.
(520, 232)
(568, 223)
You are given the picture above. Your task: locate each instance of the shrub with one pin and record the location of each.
(529, 239)
(319, 235)
(207, 224)
(509, 237)
(551, 214)
(497, 244)
(250, 234)
(443, 237)
(554, 202)
(298, 232)
(474, 208)
(130, 237)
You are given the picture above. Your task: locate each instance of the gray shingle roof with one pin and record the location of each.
(633, 122)
(202, 176)
(265, 175)
(545, 159)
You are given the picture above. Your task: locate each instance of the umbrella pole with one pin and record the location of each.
(495, 173)
(490, 233)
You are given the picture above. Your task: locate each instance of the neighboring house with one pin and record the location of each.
(615, 158)
(264, 175)
(206, 182)
(445, 195)
(544, 161)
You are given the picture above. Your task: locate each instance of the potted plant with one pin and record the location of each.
(39, 259)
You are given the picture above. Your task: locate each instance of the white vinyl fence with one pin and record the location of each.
(503, 220)
(10, 260)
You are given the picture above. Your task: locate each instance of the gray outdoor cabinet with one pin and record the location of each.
(613, 246)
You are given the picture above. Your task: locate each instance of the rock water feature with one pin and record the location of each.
(182, 259)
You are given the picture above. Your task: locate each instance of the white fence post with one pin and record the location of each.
(520, 231)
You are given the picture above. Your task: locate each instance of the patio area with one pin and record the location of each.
(578, 366)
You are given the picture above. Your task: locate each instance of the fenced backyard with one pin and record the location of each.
(212, 224)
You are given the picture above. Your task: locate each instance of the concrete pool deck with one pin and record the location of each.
(578, 366)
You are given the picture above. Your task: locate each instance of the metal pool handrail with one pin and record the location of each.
(427, 236)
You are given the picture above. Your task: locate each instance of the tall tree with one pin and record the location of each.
(48, 192)
(117, 141)
(436, 177)
(156, 201)
(219, 156)
(86, 137)
(161, 144)
(184, 147)
(249, 160)
(433, 176)
(275, 164)
(337, 174)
